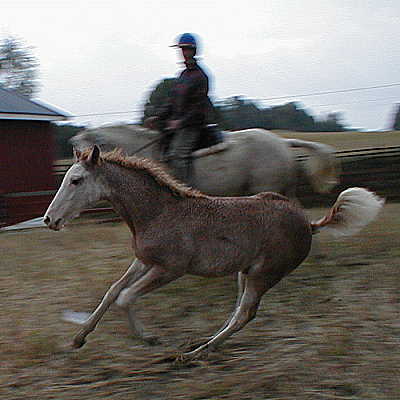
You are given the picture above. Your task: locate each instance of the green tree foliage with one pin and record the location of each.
(396, 120)
(291, 117)
(237, 112)
(18, 67)
(240, 113)
(332, 123)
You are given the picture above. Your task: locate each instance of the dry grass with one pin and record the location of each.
(328, 331)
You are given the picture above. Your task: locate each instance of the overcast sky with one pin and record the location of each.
(104, 56)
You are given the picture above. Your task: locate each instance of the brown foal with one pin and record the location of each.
(178, 231)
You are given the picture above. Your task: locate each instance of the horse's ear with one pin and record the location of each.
(94, 156)
(77, 155)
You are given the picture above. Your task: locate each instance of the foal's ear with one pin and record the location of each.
(77, 155)
(94, 155)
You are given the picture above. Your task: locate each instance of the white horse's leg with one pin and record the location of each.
(135, 271)
(253, 291)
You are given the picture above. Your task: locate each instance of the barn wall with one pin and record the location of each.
(26, 176)
(26, 156)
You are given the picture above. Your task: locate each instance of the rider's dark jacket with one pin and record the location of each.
(188, 100)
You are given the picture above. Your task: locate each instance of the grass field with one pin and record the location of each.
(330, 330)
(348, 140)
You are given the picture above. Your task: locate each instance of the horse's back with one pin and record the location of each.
(254, 160)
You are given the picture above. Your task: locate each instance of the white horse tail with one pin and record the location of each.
(322, 167)
(353, 209)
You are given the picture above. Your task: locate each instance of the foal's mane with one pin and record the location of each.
(152, 168)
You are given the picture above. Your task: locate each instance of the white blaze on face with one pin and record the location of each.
(78, 190)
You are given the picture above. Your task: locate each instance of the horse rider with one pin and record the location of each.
(186, 110)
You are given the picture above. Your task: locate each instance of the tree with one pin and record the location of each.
(332, 123)
(396, 121)
(292, 117)
(18, 67)
(236, 112)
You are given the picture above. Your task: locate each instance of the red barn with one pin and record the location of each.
(26, 157)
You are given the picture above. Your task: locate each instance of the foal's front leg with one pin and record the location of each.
(154, 278)
(134, 272)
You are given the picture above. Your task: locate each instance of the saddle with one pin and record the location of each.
(210, 136)
(211, 141)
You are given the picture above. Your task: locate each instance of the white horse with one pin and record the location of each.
(248, 162)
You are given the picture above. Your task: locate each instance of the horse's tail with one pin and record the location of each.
(322, 167)
(353, 209)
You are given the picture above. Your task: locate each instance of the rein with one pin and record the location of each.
(147, 145)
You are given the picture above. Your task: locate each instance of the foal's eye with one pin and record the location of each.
(76, 181)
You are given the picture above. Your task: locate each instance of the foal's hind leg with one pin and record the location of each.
(138, 328)
(241, 282)
(250, 300)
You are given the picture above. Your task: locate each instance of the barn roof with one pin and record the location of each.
(15, 106)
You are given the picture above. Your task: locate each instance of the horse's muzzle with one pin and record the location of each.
(55, 225)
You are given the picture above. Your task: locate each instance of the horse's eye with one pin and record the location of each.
(76, 181)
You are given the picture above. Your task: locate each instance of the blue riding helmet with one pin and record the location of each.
(186, 40)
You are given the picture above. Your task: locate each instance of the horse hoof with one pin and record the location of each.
(152, 340)
(193, 355)
(78, 343)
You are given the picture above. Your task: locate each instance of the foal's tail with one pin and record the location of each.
(322, 167)
(353, 209)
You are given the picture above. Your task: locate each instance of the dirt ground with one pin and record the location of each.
(330, 330)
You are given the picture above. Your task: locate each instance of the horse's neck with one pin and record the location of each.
(141, 139)
(134, 195)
